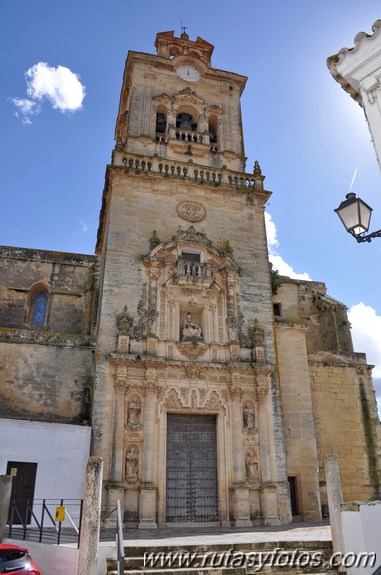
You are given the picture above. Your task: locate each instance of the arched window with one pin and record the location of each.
(39, 308)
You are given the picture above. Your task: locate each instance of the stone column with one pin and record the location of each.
(119, 420)
(91, 516)
(335, 499)
(114, 484)
(171, 329)
(147, 501)
(5, 498)
(263, 422)
(239, 488)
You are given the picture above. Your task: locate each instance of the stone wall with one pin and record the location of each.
(346, 423)
(328, 400)
(69, 280)
(47, 369)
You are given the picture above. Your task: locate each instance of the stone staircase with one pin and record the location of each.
(278, 558)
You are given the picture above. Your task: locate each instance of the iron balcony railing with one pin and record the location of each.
(39, 520)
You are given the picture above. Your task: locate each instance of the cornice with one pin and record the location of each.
(334, 61)
(120, 359)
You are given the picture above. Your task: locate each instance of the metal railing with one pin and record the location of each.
(37, 520)
(118, 536)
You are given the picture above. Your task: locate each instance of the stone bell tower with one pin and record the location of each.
(186, 409)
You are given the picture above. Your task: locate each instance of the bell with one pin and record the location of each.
(184, 121)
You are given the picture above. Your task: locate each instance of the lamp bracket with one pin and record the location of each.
(369, 237)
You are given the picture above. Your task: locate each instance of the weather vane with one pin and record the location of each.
(183, 28)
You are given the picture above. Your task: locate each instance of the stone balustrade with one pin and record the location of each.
(190, 172)
(190, 136)
(195, 270)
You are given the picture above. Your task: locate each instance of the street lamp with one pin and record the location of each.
(355, 215)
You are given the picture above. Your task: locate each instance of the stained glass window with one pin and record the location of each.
(39, 308)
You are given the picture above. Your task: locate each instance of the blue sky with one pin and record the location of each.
(307, 133)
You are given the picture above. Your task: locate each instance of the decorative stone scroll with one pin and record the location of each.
(191, 211)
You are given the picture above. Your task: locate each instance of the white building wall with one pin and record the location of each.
(361, 533)
(358, 70)
(60, 450)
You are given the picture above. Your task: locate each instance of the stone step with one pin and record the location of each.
(231, 571)
(228, 559)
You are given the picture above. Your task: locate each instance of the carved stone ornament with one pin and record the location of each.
(191, 211)
(192, 371)
(172, 401)
(192, 349)
(214, 402)
(124, 322)
(134, 435)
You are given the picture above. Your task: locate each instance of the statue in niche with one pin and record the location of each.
(132, 463)
(251, 467)
(191, 329)
(134, 408)
(248, 418)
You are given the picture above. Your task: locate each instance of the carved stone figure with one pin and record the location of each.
(132, 462)
(190, 328)
(134, 408)
(248, 418)
(251, 467)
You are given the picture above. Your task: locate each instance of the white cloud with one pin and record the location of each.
(285, 269)
(278, 262)
(59, 86)
(366, 329)
(272, 240)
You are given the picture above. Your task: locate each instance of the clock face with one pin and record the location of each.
(188, 73)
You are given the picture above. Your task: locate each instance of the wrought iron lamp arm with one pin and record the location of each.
(369, 237)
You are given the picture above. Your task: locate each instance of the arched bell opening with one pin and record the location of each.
(186, 121)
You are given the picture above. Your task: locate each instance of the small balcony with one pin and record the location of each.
(188, 272)
(188, 136)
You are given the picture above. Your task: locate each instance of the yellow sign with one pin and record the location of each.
(13, 471)
(60, 513)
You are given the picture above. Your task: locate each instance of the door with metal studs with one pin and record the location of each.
(192, 494)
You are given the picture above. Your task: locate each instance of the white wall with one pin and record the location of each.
(360, 67)
(60, 450)
(361, 532)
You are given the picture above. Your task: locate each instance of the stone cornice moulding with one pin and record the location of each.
(349, 71)
(121, 359)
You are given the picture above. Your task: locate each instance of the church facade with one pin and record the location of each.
(214, 388)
